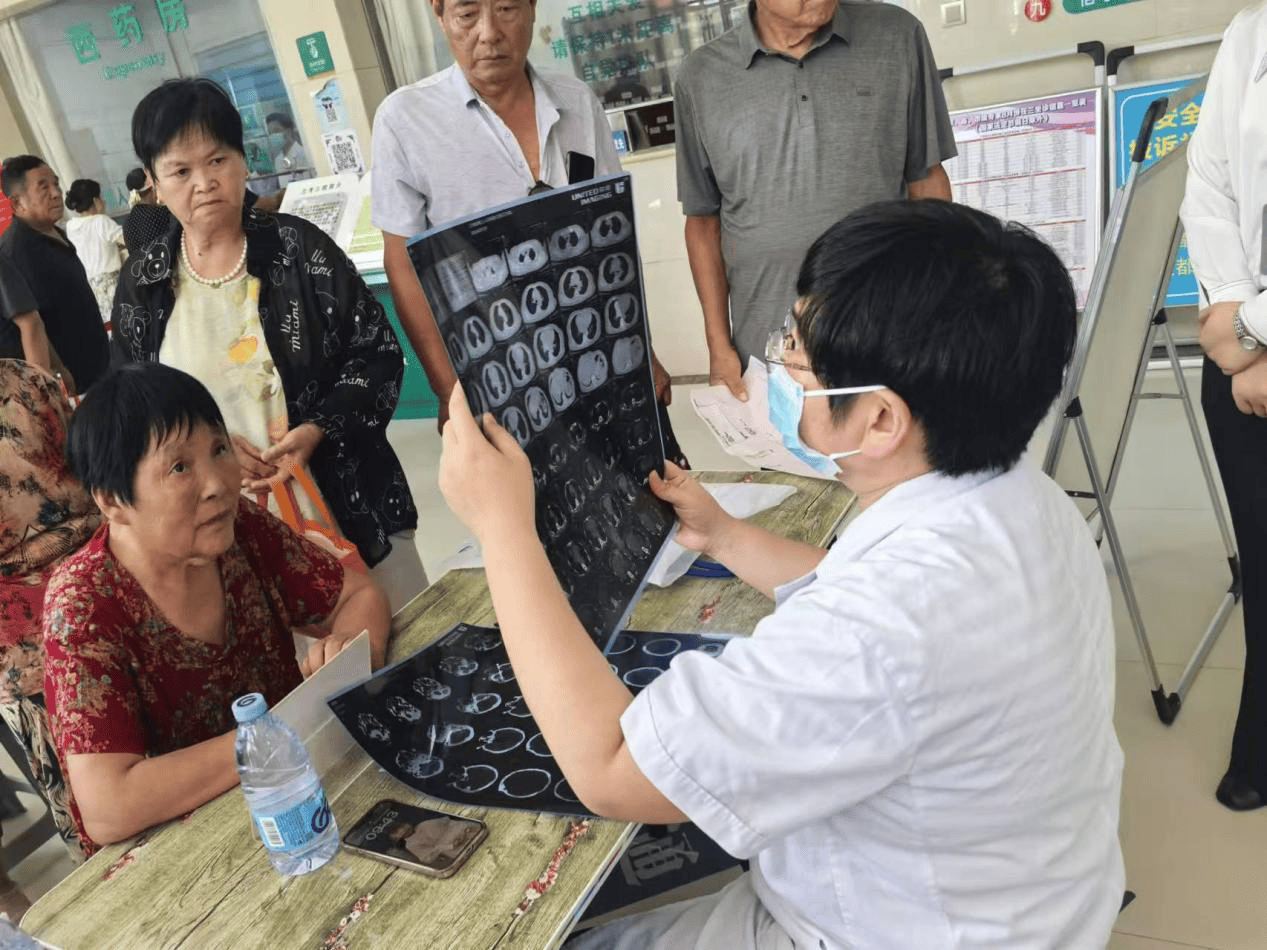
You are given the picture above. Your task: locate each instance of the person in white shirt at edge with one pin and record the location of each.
(916, 749)
(488, 130)
(98, 240)
(1223, 212)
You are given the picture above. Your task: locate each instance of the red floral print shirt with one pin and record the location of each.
(118, 677)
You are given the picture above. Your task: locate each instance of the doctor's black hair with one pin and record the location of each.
(179, 107)
(970, 320)
(125, 414)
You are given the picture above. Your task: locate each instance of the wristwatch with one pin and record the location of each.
(1246, 339)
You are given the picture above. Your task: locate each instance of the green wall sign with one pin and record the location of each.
(314, 50)
(1089, 6)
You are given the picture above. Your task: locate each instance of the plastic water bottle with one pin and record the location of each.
(283, 791)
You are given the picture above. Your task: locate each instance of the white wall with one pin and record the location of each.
(673, 311)
(997, 30)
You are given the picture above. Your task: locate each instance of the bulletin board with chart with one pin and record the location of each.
(1037, 161)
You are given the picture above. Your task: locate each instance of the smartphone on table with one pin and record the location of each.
(417, 838)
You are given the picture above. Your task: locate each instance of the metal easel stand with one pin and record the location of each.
(1167, 707)
(1168, 704)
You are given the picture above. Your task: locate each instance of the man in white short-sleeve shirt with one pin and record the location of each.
(483, 132)
(916, 749)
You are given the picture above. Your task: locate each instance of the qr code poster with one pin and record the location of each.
(344, 152)
(541, 307)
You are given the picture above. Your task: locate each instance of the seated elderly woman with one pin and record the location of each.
(272, 317)
(184, 599)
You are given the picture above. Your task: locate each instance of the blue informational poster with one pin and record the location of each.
(1176, 126)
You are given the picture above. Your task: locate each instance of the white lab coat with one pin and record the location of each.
(916, 749)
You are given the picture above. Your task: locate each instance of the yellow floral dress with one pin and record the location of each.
(214, 334)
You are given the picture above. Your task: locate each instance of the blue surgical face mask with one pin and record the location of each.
(787, 400)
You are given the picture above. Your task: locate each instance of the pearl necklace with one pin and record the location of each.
(212, 282)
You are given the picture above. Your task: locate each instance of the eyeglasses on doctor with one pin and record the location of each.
(782, 346)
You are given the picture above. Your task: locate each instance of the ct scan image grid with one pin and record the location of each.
(541, 307)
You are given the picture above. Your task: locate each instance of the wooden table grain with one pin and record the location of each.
(205, 882)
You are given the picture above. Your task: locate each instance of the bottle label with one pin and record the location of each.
(297, 826)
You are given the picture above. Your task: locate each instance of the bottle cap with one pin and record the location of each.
(250, 707)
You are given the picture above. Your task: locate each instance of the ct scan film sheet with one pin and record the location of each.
(450, 721)
(541, 307)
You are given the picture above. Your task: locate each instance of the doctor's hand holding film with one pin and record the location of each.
(703, 523)
(485, 476)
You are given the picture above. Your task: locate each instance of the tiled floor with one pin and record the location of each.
(1198, 870)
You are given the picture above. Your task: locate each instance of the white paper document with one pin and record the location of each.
(740, 500)
(467, 555)
(304, 709)
(744, 429)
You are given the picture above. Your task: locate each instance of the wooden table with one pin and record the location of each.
(205, 881)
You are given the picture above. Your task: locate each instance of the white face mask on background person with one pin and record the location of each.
(787, 400)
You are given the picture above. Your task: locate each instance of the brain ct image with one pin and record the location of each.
(474, 778)
(450, 735)
(372, 727)
(420, 765)
(483, 747)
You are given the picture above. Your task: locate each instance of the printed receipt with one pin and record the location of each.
(744, 429)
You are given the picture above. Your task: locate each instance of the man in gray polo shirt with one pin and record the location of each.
(805, 111)
(483, 132)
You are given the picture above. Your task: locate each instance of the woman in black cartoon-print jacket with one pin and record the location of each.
(327, 341)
